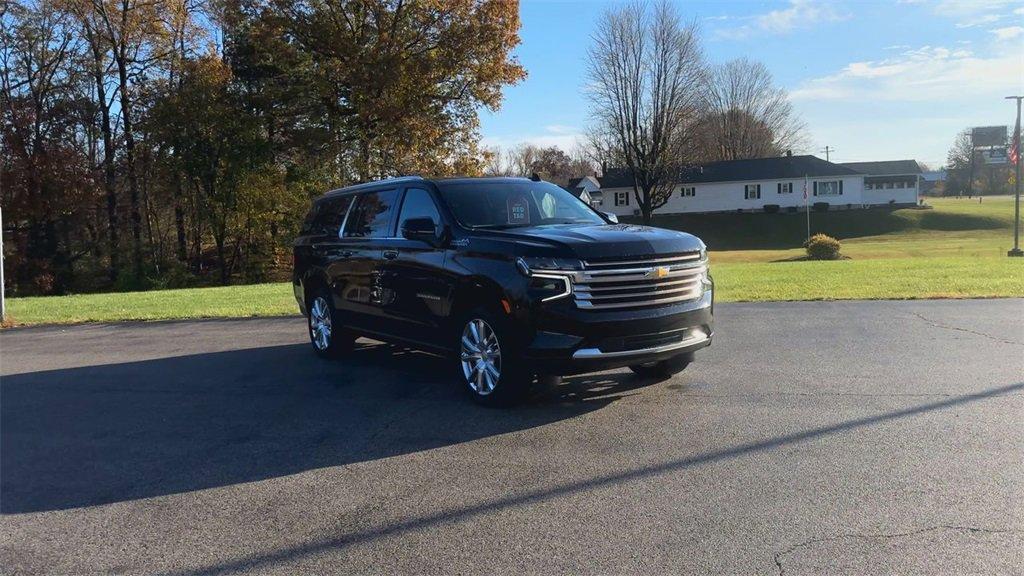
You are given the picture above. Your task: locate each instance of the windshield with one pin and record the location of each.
(513, 204)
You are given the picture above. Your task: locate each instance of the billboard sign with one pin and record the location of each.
(982, 136)
(995, 155)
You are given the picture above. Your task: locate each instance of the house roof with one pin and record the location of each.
(782, 167)
(885, 167)
(574, 182)
(576, 191)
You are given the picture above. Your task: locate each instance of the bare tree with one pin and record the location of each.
(748, 116)
(646, 75)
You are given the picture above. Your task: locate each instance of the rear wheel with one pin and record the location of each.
(328, 336)
(664, 368)
(488, 361)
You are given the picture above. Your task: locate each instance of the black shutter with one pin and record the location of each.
(840, 187)
(815, 187)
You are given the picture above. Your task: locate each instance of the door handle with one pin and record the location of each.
(390, 254)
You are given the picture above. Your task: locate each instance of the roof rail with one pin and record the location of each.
(363, 185)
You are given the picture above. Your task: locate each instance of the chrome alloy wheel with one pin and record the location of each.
(481, 357)
(320, 323)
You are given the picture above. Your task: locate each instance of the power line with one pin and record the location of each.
(828, 152)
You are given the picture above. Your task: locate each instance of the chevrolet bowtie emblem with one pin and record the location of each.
(659, 272)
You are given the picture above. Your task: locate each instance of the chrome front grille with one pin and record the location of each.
(636, 283)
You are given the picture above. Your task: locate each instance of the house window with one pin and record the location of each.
(828, 188)
(869, 186)
(900, 184)
(688, 191)
(622, 198)
(888, 185)
(752, 191)
(784, 187)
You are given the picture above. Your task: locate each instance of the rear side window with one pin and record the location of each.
(371, 215)
(326, 216)
(418, 204)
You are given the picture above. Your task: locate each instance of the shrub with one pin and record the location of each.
(822, 247)
(791, 209)
(771, 208)
(820, 206)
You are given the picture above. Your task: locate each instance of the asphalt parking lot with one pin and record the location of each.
(811, 438)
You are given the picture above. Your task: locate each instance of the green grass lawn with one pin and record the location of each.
(957, 250)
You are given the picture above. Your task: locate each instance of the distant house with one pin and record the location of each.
(586, 188)
(745, 185)
(889, 181)
(931, 180)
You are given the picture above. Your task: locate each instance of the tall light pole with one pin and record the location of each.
(1016, 183)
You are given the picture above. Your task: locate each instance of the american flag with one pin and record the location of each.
(1015, 149)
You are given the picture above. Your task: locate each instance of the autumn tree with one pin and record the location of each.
(402, 81)
(46, 179)
(647, 75)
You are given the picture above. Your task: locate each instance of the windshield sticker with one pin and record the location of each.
(518, 209)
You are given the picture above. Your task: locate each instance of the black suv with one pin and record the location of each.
(512, 278)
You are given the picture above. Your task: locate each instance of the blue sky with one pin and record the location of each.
(875, 80)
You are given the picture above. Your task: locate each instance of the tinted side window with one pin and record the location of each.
(332, 214)
(418, 204)
(326, 216)
(371, 216)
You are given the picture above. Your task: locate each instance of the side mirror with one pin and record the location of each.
(422, 229)
(611, 217)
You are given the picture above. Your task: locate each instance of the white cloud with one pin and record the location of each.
(798, 14)
(1008, 32)
(927, 73)
(565, 137)
(970, 13)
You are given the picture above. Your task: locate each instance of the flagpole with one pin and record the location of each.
(1016, 182)
(807, 209)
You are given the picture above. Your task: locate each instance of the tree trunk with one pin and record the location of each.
(109, 176)
(133, 179)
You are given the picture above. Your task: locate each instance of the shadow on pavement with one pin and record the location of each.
(101, 434)
(425, 522)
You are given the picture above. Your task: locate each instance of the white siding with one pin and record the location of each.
(883, 196)
(729, 196)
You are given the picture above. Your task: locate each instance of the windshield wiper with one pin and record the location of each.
(496, 226)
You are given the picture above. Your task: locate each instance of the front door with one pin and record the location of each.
(416, 288)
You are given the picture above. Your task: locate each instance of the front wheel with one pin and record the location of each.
(488, 364)
(664, 368)
(327, 335)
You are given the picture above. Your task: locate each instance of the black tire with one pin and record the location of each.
(664, 368)
(338, 340)
(513, 381)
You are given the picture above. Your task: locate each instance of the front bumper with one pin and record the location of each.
(579, 341)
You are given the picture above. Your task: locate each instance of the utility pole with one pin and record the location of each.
(1016, 182)
(828, 151)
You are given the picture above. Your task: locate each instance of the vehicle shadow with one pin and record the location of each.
(100, 434)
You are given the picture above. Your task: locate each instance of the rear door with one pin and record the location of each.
(416, 288)
(367, 232)
(320, 245)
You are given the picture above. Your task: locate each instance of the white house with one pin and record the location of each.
(889, 182)
(746, 185)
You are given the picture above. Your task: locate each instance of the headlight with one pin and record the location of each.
(549, 277)
(534, 265)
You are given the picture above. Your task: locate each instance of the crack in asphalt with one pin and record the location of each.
(967, 330)
(973, 529)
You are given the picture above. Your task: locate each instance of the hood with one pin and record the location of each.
(591, 241)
